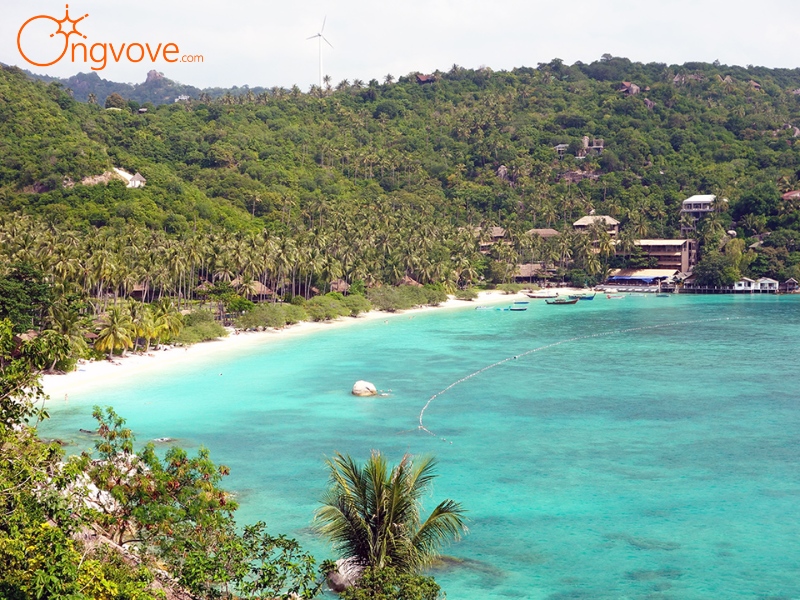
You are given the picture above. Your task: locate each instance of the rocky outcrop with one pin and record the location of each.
(347, 573)
(364, 388)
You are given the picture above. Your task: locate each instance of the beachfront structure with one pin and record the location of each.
(340, 285)
(535, 272)
(745, 285)
(680, 255)
(790, 286)
(765, 284)
(611, 224)
(641, 280)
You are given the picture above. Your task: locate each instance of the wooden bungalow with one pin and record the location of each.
(543, 233)
(139, 291)
(406, 280)
(251, 289)
(629, 88)
(340, 285)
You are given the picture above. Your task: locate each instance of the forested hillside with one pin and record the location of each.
(464, 147)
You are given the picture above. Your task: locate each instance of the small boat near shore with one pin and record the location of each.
(518, 307)
(582, 296)
(561, 300)
(663, 295)
(542, 294)
(614, 296)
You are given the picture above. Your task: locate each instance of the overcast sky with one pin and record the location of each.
(263, 42)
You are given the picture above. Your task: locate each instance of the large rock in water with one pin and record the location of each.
(347, 573)
(364, 388)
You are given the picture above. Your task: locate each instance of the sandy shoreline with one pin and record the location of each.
(107, 373)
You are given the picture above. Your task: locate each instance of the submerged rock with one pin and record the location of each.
(364, 388)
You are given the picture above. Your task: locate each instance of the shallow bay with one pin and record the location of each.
(652, 454)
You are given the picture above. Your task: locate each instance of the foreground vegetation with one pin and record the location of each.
(137, 523)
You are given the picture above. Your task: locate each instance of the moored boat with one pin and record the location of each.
(614, 296)
(542, 294)
(582, 296)
(517, 307)
(562, 301)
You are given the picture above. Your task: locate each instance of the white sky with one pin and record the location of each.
(263, 42)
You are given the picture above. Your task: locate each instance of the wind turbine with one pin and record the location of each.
(321, 37)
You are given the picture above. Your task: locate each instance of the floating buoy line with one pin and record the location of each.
(422, 427)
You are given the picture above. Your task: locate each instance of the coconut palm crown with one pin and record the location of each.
(371, 513)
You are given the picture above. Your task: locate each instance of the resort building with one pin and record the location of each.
(745, 285)
(591, 146)
(534, 272)
(696, 207)
(680, 255)
(641, 280)
(611, 224)
(561, 149)
(543, 233)
(765, 284)
(495, 234)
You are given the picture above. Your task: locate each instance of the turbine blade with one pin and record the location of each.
(325, 18)
(312, 37)
(326, 41)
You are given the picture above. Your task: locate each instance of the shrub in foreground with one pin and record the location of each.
(200, 327)
(327, 307)
(388, 584)
(466, 294)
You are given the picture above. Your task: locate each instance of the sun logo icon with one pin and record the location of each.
(65, 27)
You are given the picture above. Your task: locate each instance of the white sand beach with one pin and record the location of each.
(104, 373)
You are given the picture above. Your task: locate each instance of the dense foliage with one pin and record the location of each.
(371, 513)
(375, 181)
(105, 525)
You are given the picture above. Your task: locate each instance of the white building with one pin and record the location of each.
(131, 181)
(765, 284)
(697, 207)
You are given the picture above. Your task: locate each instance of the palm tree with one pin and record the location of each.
(167, 320)
(115, 333)
(371, 513)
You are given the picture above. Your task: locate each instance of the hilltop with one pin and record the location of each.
(155, 89)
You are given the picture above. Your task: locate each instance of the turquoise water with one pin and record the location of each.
(654, 463)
